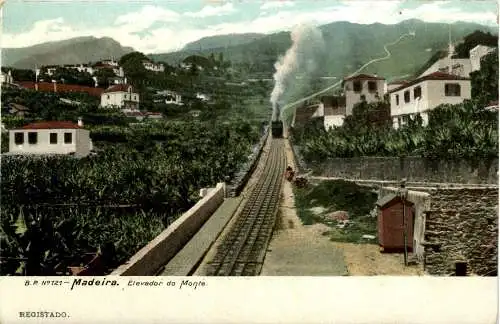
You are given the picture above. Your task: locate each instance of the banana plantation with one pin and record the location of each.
(464, 131)
(57, 210)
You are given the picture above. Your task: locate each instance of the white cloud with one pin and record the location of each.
(172, 34)
(209, 11)
(276, 4)
(146, 17)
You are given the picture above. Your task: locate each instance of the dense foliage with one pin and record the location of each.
(454, 131)
(472, 40)
(157, 168)
(484, 82)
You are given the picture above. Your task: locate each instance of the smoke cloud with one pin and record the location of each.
(298, 66)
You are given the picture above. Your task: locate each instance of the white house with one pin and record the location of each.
(6, 78)
(476, 54)
(52, 137)
(83, 68)
(110, 62)
(170, 97)
(426, 93)
(363, 87)
(459, 66)
(120, 95)
(152, 66)
(202, 97)
(117, 70)
(333, 109)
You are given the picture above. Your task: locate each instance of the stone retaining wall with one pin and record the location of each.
(415, 169)
(462, 225)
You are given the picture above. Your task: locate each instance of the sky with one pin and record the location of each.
(163, 26)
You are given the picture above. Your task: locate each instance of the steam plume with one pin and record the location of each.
(302, 58)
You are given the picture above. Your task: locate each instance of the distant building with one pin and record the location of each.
(122, 96)
(333, 110)
(363, 87)
(60, 87)
(202, 97)
(477, 53)
(84, 68)
(459, 66)
(106, 65)
(152, 66)
(15, 109)
(169, 97)
(426, 93)
(51, 137)
(6, 78)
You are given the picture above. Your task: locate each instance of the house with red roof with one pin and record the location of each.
(51, 137)
(426, 93)
(121, 96)
(60, 87)
(363, 87)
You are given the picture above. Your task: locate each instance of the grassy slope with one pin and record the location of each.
(339, 195)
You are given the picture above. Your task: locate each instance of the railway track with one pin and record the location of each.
(242, 250)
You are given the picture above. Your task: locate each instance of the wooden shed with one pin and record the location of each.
(390, 223)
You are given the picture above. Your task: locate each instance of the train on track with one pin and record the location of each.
(277, 129)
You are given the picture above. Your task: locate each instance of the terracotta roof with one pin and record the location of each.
(433, 76)
(118, 88)
(363, 77)
(52, 125)
(61, 87)
(398, 82)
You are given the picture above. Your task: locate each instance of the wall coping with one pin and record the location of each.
(437, 185)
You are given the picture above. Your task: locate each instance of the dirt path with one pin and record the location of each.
(302, 250)
(298, 250)
(366, 260)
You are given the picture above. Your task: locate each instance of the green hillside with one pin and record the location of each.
(72, 51)
(222, 41)
(348, 47)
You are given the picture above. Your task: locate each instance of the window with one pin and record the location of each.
(363, 98)
(19, 138)
(397, 100)
(417, 92)
(407, 96)
(357, 86)
(372, 86)
(32, 137)
(452, 89)
(68, 138)
(53, 138)
(107, 97)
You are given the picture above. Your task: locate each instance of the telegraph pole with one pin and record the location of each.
(404, 194)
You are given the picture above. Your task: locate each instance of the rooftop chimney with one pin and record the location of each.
(55, 85)
(80, 122)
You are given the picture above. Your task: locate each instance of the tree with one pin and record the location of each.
(472, 40)
(484, 82)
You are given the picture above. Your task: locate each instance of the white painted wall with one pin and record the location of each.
(110, 99)
(80, 145)
(433, 95)
(333, 120)
(153, 66)
(320, 112)
(353, 98)
(476, 54)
